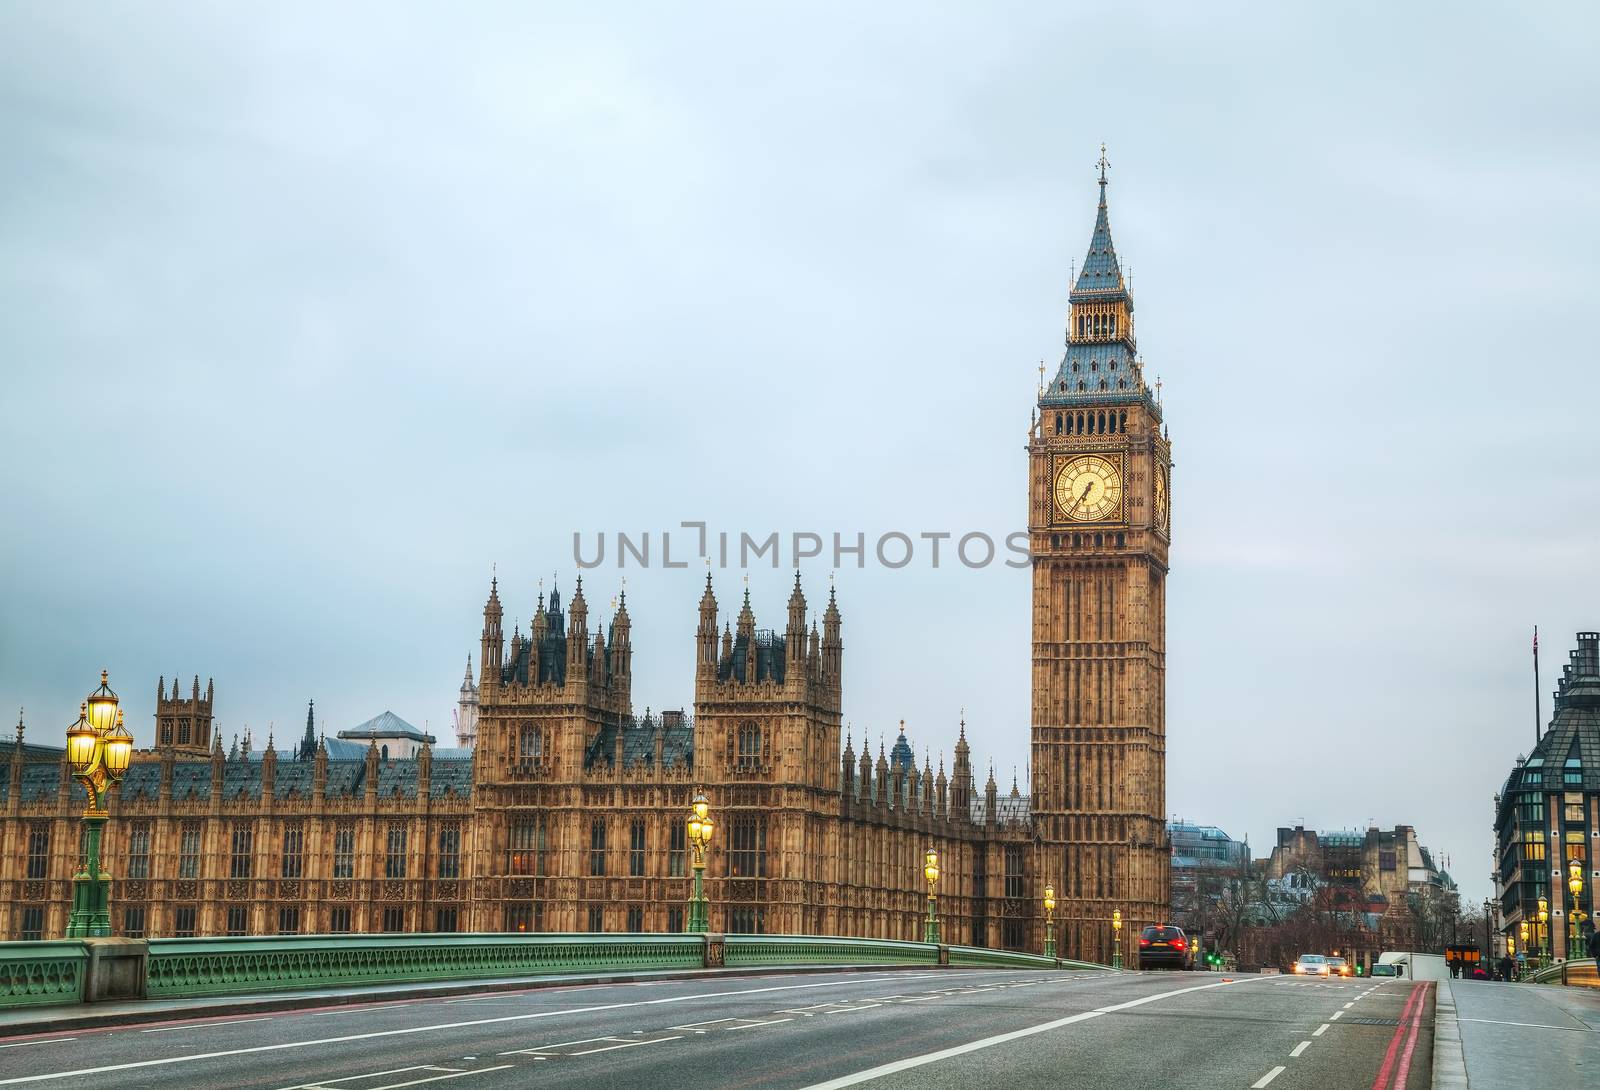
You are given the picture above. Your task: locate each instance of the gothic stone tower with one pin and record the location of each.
(1098, 520)
(183, 726)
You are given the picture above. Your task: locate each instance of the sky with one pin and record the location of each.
(316, 318)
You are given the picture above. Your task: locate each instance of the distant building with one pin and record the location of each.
(466, 713)
(1548, 812)
(1378, 874)
(394, 738)
(1203, 857)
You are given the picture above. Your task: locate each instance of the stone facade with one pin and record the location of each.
(568, 813)
(1099, 524)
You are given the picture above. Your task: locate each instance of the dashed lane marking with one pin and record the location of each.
(42, 1041)
(1320, 1030)
(1267, 1078)
(1299, 1048)
(1336, 1016)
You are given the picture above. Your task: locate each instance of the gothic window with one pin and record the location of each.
(1074, 369)
(1011, 934)
(243, 841)
(530, 744)
(394, 919)
(597, 918)
(636, 850)
(32, 924)
(1014, 871)
(1058, 423)
(394, 857)
(749, 745)
(747, 921)
(1094, 365)
(1103, 385)
(189, 850)
(747, 857)
(294, 839)
(1080, 387)
(288, 921)
(183, 923)
(450, 852)
(344, 850)
(675, 920)
(677, 842)
(1122, 384)
(635, 919)
(39, 849)
(520, 852)
(339, 921)
(238, 920)
(519, 917)
(385, 754)
(1113, 326)
(446, 920)
(597, 849)
(166, 732)
(1122, 422)
(183, 732)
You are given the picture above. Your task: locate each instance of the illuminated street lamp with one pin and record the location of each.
(99, 748)
(1576, 917)
(1544, 929)
(1049, 921)
(930, 871)
(700, 828)
(1116, 939)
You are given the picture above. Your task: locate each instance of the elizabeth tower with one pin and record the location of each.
(1099, 525)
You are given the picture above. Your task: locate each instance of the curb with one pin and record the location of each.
(1449, 1065)
(289, 1000)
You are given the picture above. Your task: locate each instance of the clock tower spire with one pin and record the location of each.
(1099, 529)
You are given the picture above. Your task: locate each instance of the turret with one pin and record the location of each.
(832, 648)
(705, 634)
(847, 768)
(991, 796)
(961, 782)
(795, 633)
(493, 640)
(622, 643)
(577, 633)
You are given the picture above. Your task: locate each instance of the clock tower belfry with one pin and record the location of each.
(1099, 475)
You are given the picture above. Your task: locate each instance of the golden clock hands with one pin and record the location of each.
(1088, 488)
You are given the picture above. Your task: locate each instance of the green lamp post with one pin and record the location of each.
(1544, 931)
(1050, 921)
(930, 871)
(99, 748)
(1116, 938)
(700, 829)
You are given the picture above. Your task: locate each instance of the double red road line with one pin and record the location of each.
(1408, 1029)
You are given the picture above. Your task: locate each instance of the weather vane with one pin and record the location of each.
(1103, 163)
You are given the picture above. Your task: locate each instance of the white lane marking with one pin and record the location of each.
(1525, 1025)
(1336, 1016)
(1299, 1048)
(473, 999)
(365, 1008)
(204, 1025)
(999, 1039)
(1320, 1030)
(1347, 1006)
(368, 1075)
(45, 1041)
(136, 1064)
(852, 1010)
(758, 1025)
(626, 1044)
(1267, 1078)
(437, 1078)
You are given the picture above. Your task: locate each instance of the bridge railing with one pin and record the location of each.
(80, 970)
(1575, 972)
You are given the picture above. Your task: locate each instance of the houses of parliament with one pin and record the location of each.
(567, 811)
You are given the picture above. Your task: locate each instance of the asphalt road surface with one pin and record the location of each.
(954, 1028)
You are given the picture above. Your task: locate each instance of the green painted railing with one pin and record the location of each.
(186, 967)
(824, 950)
(39, 973)
(57, 972)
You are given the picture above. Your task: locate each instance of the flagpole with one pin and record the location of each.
(1537, 714)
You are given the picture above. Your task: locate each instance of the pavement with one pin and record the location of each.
(1539, 1035)
(933, 1028)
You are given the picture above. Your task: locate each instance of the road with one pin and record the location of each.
(951, 1028)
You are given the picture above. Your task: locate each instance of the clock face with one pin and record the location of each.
(1088, 488)
(1160, 498)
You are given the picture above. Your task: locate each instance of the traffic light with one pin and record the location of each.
(1359, 970)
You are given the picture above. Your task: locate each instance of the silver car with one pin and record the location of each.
(1311, 965)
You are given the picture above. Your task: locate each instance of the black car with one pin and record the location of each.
(1165, 947)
